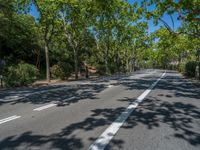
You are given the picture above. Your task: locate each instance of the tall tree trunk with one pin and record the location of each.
(76, 63)
(86, 71)
(118, 62)
(47, 62)
(106, 63)
(127, 66)
(106, 57)
(37, 64)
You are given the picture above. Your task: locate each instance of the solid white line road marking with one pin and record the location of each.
(109, 133)
(44, 107)
(9, 119)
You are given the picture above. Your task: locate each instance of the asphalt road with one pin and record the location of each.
(146, 110)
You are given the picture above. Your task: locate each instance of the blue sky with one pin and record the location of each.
(34, 12)
(151, 25)
(167, 19)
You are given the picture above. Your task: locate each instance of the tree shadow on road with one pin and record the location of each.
(26, 90)
(181, 116)
(180, 87)
(152, 113)
(65, 96)
(141, 83)
(177, 105)
(31, 141)
(68, 138)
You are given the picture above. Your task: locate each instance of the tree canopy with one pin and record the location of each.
(110, 36)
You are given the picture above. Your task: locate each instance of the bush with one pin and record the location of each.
(173, 67)
(197, 71)
(101, 69)
(181, 68)
(56, 72)
(21, 74)
(61, 70)
(2, 67)
(190, 68)
(112, 68)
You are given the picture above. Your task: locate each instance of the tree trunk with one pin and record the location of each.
(38, 59)
(76, 64)
(127, 66)
(118, 62)
(86, 72)
(106, 59)
(106, 64)
(47, 62)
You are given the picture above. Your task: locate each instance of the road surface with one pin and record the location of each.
(146, 110)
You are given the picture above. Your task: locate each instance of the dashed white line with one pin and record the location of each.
(9, 119)
(109, 133)
(53, 104)
(71, 98)
(44, 107)
(109, 86)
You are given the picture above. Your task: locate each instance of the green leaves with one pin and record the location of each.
(187, 10)
(109, 34)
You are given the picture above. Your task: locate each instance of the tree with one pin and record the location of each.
(18, 34)
(188, 12)
(74, 23)
(173, 49)
(47, 19)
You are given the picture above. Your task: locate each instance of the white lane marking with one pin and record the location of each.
(71, 98)
(15, 98)
(85, 83)
(44, 107)
(9, 119)
(109, 86)
(109, 133)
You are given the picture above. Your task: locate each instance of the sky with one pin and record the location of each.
(151, 26)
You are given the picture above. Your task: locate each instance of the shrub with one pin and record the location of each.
(21, 74)
(61, 70)
(190, 68)
(101, 69)
(2, 67)
(181, 68)
(198, 67)
(173, 67)
(56, 72)
(112, 67)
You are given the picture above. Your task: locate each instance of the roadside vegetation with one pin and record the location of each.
(110, 36)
